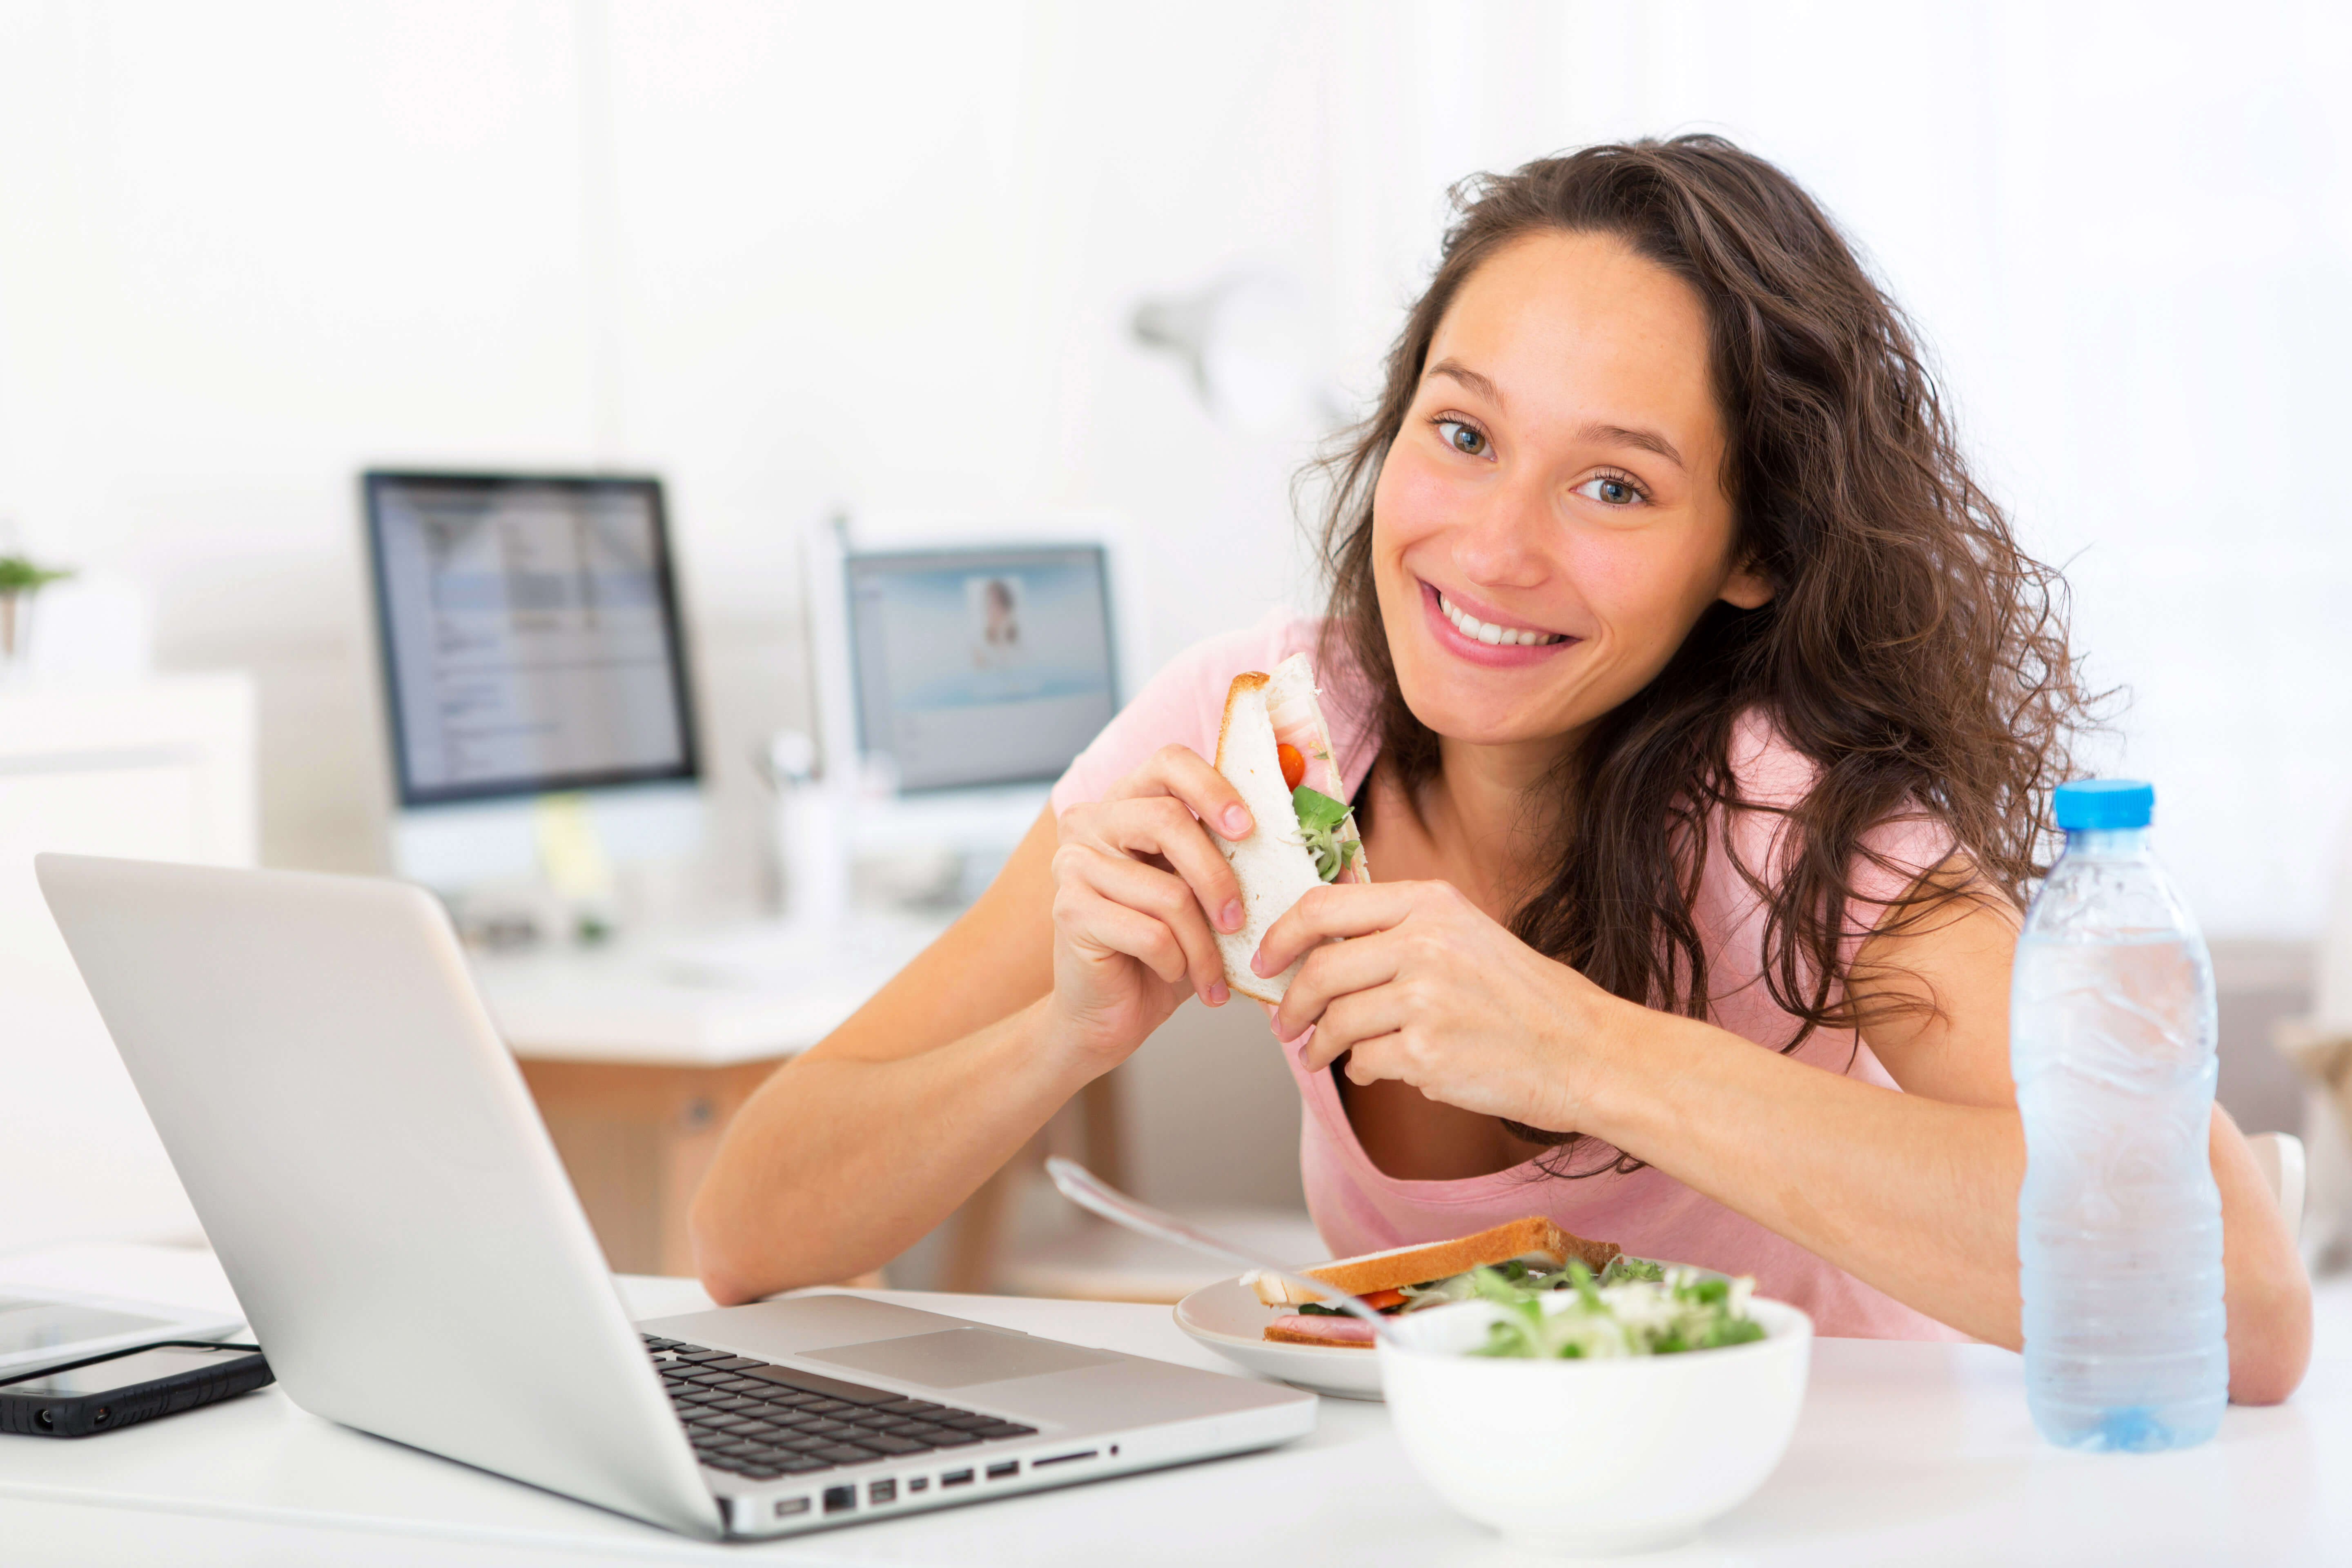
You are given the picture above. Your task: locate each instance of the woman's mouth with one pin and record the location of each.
(1484, 641)
(1490, 632)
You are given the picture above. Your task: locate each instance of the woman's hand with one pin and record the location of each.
(1429, 990)
(1135, 877)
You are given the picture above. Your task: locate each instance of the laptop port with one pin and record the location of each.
(1061, 1460)
(956, 1478)
(1010, 1468)
(918, 1483)
(840, 1500)
(788, 1506)
(882, 1492)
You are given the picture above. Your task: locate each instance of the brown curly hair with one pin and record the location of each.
(1911, 650)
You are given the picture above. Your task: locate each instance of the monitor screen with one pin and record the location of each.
(980, 667)
(530, 634)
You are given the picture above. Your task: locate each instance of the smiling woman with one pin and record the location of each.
(1733, 486)
(1699, 713)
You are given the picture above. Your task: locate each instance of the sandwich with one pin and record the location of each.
(1534, 1252)
(1275, 751)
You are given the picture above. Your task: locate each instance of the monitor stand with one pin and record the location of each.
(460, 846)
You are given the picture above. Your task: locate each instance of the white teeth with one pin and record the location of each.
(1486, 632)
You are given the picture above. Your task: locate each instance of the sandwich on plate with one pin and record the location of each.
(1533, 1252)
(1275, 751)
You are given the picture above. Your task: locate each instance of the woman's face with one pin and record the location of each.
(1549, 524)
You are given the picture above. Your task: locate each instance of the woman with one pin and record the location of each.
(1700, 712)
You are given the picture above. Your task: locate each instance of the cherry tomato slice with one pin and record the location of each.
(1294, 766)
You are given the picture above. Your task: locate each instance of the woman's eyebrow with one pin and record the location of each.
(1648, 440)
(1456, 371)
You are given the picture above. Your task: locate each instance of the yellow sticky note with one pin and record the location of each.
(568, 851)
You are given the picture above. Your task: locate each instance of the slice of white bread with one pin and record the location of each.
(1535, 1239)
(1273, 863)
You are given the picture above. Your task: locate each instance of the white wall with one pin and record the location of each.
(792, 255)
(2126, 231)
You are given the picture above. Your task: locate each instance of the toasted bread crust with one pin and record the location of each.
(1534, 1237)
(1247, 680)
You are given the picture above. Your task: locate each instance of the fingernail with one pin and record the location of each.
(1236, 822)
(1257, 961)
(1217, 993)
(1232, 917)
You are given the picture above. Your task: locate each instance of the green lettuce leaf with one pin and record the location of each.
(1319, 820)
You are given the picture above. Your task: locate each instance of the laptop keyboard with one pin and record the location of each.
(752, 1419)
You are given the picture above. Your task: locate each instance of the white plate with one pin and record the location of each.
(1229, 1318)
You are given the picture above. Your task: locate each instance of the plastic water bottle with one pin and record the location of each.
(2119, 1222)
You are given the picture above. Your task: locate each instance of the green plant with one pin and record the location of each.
(19, 579)
(19, 575)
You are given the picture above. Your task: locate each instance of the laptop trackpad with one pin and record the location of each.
(959, 1356)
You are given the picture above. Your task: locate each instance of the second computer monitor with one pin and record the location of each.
(982, 666)
(531, 635)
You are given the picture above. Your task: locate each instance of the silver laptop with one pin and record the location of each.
(385, 1198)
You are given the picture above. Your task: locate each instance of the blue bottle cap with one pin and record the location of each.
(2104, 803)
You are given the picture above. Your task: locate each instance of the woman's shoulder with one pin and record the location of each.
(1215, 660)
(1773, 778)
(1767, 769)
(1184, 702)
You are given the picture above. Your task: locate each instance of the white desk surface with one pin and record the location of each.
(1907, 1453)
(735, 994)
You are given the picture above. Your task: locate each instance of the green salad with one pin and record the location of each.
(1633, 1308)
(1319, 820)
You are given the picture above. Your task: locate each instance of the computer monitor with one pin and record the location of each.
(979, 666)
(531, 635)
(962, 662)
(531, 645)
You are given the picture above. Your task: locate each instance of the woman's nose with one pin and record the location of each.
(1504, 544)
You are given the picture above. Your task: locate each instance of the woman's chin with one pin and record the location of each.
(1480, 717)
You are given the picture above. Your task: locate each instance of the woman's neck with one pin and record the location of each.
(1488, 807)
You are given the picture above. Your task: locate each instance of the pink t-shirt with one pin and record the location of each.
(1359, 1209)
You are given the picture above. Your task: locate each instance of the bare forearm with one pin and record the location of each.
(1915, 1196)
(838, 1164)
(2268, 1295)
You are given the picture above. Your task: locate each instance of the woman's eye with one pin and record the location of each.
(1466, 439)
(1609, 491)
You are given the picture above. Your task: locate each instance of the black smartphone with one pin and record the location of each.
(85, 1397)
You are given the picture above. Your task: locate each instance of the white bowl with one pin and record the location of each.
(1591, 1457)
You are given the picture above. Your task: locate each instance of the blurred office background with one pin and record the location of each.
(796, 257)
